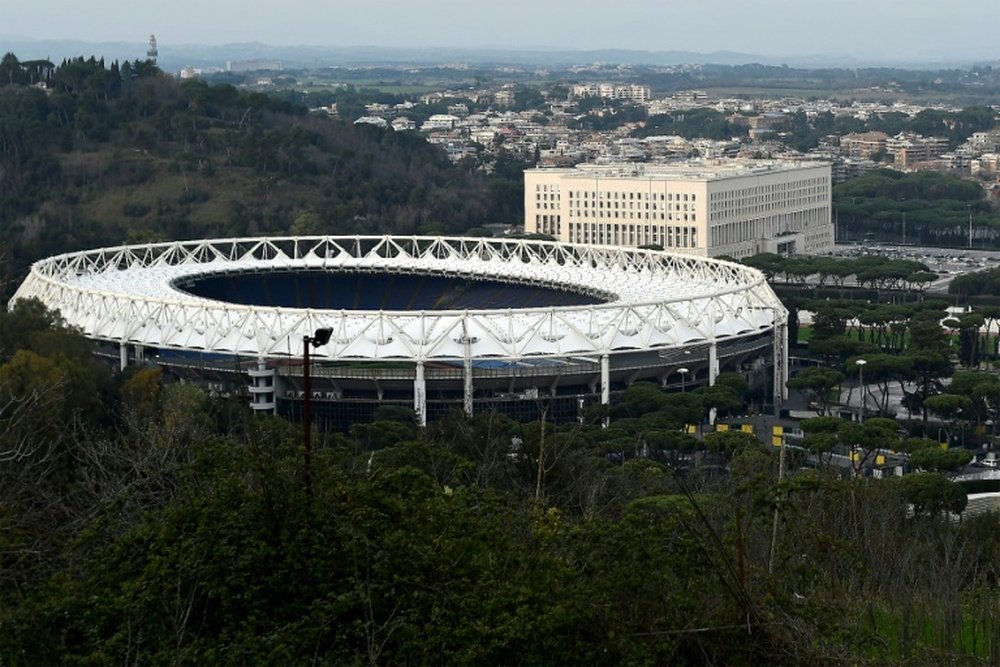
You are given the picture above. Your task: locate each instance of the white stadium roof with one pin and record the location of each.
(654, 299)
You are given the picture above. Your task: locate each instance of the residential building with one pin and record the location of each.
(439, 121)
(635, 93)
(703, 207)
(505, 97)
(984, 142)
(987, 164)
(908, 148)
(403, 124)
(689, 96)
(371, 120)
(863, 145)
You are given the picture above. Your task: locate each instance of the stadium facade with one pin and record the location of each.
(711, 208)
(428, 322)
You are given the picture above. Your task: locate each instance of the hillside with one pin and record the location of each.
(108, 154)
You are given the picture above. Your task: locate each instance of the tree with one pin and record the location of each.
(817, 384)
(935, 459)
(10, 70)
(926, 333)
(768, 262)
(882, 370)
(969, 326)
(950, 407)
(929, 367)
(730, 442)
(931, 494)
(723, 398)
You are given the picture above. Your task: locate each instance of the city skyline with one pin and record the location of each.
(891, 30)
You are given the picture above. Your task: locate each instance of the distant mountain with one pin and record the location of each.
(173, 57)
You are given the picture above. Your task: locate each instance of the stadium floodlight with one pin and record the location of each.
(321, 337)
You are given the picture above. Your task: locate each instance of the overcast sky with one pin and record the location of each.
(920, 30)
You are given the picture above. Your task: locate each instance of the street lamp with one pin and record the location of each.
(683, 372)
(321, 337)
(861, 380)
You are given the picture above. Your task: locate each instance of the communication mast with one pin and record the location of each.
(151, 53)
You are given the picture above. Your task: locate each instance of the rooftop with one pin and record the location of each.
(702, 170)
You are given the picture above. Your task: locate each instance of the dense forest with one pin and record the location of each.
(919, 208)
(148, 523)
(115, 153)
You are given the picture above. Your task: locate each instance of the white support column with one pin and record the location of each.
(139, 356)
(420, 395)
(122, 356)
(467, 385)
(605, 380)
(780, 391)
(784, 359)
(713, 363)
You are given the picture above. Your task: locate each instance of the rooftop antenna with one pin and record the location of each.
(151, 52)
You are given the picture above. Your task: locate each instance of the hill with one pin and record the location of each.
(96, 155)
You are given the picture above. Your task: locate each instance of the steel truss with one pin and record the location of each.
(129, 295)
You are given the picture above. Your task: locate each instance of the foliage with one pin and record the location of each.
(817, 383)
(691, 124)
(930, 493)
(976, 283)
(935, 459)
(936, 207)
(123, 153)
(476, 540)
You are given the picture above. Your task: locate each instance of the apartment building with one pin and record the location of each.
(706, 207)
(908, 148)
(633, 92)
(864, 145)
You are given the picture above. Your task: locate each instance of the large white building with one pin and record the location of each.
(614, 91)
(736, 208)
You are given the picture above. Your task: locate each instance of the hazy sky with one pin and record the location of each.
(887, 29)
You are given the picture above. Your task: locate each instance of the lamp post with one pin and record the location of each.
(321, 337)
(861, 380)
(683, 372)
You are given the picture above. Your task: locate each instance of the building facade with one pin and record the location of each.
(864, 145)
(909, 149)
(735, 208)
(613, 91)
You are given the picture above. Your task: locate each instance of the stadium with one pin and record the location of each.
(431, 323)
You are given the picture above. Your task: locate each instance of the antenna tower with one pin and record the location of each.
(151, 52)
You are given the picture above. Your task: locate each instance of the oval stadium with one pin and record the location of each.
(426, 322)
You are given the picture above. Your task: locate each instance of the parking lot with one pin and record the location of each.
(946, 262)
